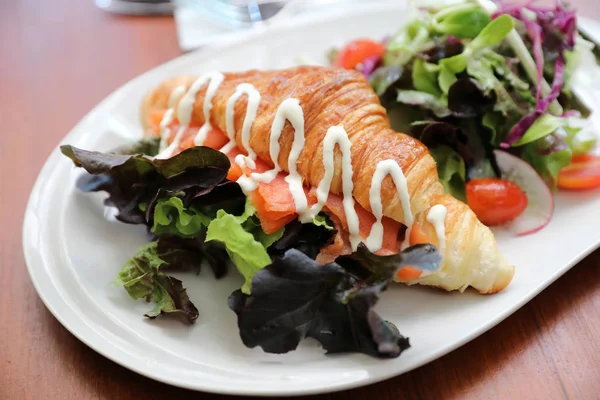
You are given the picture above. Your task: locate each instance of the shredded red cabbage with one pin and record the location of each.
(559, 74)
(535, 34)
(510, 7)
(519, 129)
(559, 22)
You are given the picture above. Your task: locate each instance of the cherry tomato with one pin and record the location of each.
(582, 173)
(357, 51)
(495, 201)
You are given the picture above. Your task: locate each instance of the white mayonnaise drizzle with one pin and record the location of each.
(336, 135)
(247, 183)
(383, 169)
(167, 119)
(185, 110)
(176, 95)
(436, 217)
(288, 110)
(252, 107)
(186, 106)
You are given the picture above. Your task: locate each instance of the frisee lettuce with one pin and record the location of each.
(141, 276)
(171, 217)
(451, 171)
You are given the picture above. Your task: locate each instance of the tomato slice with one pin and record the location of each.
(583, 173)
(495, 201)
(357, 51)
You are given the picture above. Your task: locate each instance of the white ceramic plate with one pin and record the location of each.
(73, 253)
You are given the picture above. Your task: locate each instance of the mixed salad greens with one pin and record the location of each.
(470, 78)
(195, 215)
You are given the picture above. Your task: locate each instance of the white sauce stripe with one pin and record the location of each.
(251, 109)
(167, 119)
(437, 216)
(186, 108)
(165, 130)
(168, 152)
(383, 169)
(336, 135)
(247, 183)
(176, 95)
(288, 110)
(214, 80)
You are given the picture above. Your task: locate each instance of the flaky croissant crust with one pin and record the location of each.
(342, 97)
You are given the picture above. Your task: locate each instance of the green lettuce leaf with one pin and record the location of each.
(543, 126)
(383, 78)
(171, 217)
(548, 166)
(322, 220)
(247, 252)
(446, 79)
(463, 23)
(424, 77)
(451, 171)
(141, 277)
(412, 39)
(424, 100)
(484, 74)
(492, 34)
(267, 239)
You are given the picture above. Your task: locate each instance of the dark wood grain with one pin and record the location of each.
(57, 60)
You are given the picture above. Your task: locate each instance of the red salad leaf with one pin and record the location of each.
(295, 297)
(131, 180)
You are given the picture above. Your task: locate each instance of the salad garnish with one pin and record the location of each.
(472, 78)
(196, 216)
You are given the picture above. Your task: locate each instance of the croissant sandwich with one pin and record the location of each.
(312, 139)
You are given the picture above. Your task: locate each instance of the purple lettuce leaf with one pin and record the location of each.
(133, 180)
(295, 297)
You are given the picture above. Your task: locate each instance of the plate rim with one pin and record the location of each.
(35, 264)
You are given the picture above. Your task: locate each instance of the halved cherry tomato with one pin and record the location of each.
(357, 51)
(582, 173)
(495, 201)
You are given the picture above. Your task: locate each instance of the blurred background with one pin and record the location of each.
(201, 22)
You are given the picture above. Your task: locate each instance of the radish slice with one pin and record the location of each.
(540, 205)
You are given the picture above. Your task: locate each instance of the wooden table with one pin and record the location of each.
(58, 59)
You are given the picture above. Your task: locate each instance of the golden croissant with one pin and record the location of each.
(337, 97)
